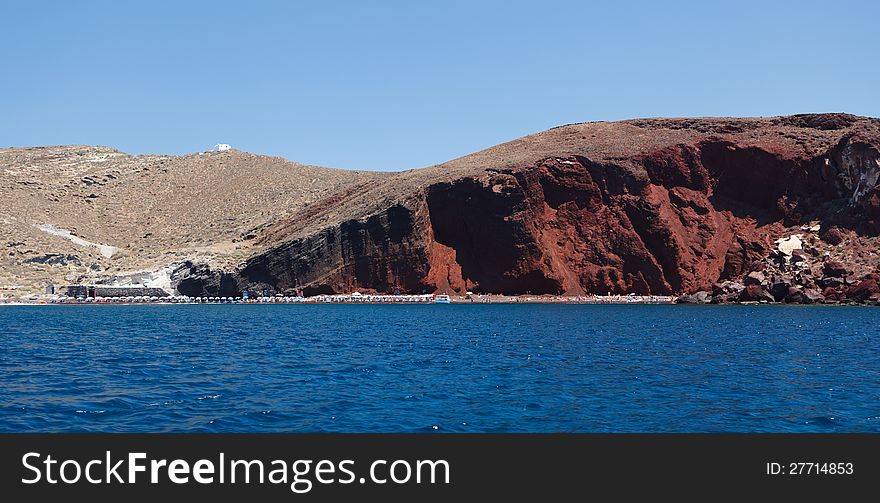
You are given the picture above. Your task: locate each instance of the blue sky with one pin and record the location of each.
(397, 85)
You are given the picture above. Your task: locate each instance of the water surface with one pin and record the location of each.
(459, 368)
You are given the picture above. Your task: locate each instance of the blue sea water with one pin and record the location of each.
(449, 368)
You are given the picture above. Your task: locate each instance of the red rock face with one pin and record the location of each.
(676, 221)
(585, 227)
(673, 217)
(492, 229)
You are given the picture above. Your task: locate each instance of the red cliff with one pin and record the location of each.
(653, 206)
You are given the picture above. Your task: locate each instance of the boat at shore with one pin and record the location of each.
(442, 299)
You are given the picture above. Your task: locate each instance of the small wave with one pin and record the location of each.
(208, 397)
(91, 411)
(168, 402)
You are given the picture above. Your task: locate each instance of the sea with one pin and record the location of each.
(439, 368)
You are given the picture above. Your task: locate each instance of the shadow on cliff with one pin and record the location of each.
(382, 253)
(487, 226)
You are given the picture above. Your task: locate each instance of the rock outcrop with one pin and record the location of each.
(764, 210)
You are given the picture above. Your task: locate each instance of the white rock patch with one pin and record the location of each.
(105, 250)
(790, 244)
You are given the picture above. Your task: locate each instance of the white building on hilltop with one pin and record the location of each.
(221, 147)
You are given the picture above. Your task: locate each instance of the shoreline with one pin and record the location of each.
(385, 300)
(355, 298)
(427, 299)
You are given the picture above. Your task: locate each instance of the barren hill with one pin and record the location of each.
(155, 211)
(644, 206)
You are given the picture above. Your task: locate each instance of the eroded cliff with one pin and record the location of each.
(652, 206)
(675, 207)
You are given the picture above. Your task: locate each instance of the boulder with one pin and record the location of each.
(865, 290)
(755, 293)
(800, 278)
(776, 260)
(833, 295)
(833, 236)
(834, 268)
(798, 256)
(754, 278)
(727, 288)
(695, 298)
(795, 295)
(779, 289)
(757, 265)
(832, 282)
(872, 275)
(813, 295)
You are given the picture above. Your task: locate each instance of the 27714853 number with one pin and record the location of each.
(809, 468)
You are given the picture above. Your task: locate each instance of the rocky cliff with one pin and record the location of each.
(653, 206)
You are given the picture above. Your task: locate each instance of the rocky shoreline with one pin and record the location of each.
(728, 293)
(805, 268)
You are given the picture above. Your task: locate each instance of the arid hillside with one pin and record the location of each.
(666, 206)
(149, 212)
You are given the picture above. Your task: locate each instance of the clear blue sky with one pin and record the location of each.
(396, 85)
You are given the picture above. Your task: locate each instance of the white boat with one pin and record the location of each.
(441, 299)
